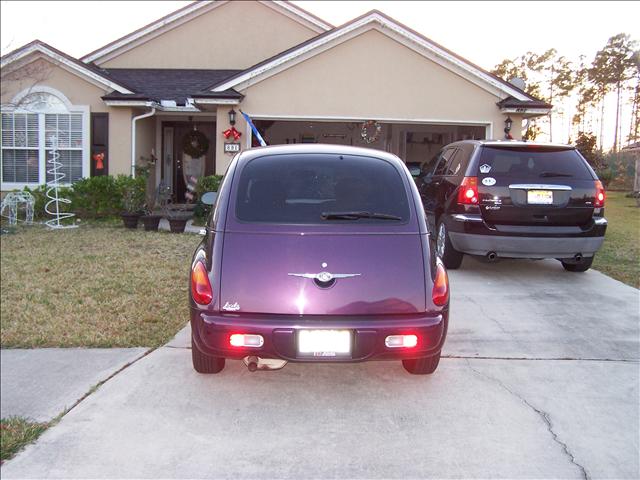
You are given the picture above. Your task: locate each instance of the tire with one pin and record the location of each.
(422, 366)
(451, 258)
(205, 363)
(581, 266)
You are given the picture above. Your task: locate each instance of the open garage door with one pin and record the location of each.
(412, 142)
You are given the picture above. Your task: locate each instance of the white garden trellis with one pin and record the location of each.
(52, 207)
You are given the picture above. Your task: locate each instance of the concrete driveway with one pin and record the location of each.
(541, 380)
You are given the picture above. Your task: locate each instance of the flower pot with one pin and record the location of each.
(151, 222)
(177, 225)
(130, 219)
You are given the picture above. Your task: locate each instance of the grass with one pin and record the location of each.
(16, 433)
(94, 286)
(620, 255)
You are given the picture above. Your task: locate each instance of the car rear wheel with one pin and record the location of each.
(582, 266)
(451, 258)
(205, 363)
(421, 366)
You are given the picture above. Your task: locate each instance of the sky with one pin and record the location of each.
(483, 32)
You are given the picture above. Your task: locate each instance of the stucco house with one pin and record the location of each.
(371, 82)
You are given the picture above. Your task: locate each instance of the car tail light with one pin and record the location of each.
(401, 341)
(468, 191)
(600, 196)
(200, 285)
(246, 340)
(440, 294)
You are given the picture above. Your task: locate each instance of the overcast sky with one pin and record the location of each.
(483, 32)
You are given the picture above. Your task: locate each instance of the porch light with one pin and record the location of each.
(508, 123)
(232, 116)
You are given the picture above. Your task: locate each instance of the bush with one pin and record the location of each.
(96, 197)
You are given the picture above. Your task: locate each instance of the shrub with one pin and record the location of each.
(96, 197)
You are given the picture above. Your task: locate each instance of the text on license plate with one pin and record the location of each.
(540, 197)
(324, 343)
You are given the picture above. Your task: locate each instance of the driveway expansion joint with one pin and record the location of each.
(542, 414)
(543, 359)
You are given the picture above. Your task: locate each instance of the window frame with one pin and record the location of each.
(42, 148)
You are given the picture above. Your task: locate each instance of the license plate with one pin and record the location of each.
(540, 197)
(324, 343)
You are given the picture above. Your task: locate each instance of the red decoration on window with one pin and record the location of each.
(99, 159)
(232, 132)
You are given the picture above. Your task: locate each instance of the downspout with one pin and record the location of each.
(133, 138)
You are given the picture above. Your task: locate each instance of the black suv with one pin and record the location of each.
(513, 199)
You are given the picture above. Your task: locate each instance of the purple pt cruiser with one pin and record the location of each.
(317, 253)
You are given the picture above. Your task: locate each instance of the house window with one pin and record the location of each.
(28, 136)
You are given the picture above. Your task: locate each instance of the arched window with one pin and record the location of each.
(29, 127)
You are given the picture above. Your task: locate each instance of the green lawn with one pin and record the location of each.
(94, 286)
(15, 433)
(620, 254)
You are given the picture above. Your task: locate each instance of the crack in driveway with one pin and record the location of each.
(542, 414)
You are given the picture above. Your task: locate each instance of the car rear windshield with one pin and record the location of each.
(321, 189)
(533, 163)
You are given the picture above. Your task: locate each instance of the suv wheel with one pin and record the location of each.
(582, 266)
(205, 363)
(421, 366)
(449, 255)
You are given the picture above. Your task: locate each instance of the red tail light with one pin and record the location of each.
(200, 285)
(468, 192)
(440, 294)
(600, 196)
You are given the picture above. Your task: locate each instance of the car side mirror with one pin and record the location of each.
(209, 198)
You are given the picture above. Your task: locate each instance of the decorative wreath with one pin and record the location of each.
(195, 144)
(370, 131)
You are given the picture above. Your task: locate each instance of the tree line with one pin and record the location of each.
(557, 80)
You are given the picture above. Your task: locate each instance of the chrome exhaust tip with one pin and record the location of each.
(254, 363)
(492, 256)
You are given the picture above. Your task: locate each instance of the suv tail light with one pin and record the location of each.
(440, 294)
(600, 196)
(468, 191)
(200, 286)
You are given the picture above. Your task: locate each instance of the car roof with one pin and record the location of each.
(311, 148)
(515, 144)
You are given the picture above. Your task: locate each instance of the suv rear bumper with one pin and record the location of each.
(470, 234)
(211, 334)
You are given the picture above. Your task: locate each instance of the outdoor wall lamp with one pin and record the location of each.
(508, 123)
(232, 116)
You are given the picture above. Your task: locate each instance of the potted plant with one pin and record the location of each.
(133, 196)
(151, 220)
(178, 220)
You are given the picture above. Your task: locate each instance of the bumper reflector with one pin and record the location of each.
(246, 340)
(401, 341)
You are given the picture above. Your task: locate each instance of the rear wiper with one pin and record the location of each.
(555, 174)
(357, 215)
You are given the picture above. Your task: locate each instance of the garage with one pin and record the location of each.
(413, 142)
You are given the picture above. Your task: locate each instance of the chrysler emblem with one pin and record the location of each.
(324, 277)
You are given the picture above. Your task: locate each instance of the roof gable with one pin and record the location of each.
(22, 55)
(191, 11)
(389, 27)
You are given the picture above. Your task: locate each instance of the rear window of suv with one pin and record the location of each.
(532, 163)
(303, 189)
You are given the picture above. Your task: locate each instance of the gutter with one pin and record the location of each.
(133, 138)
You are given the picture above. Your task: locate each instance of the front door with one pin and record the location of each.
(175, 167)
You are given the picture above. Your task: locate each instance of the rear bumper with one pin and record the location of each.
(470, 234)
(211, 334)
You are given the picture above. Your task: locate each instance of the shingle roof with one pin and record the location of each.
(511, 102)
(156, 84)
